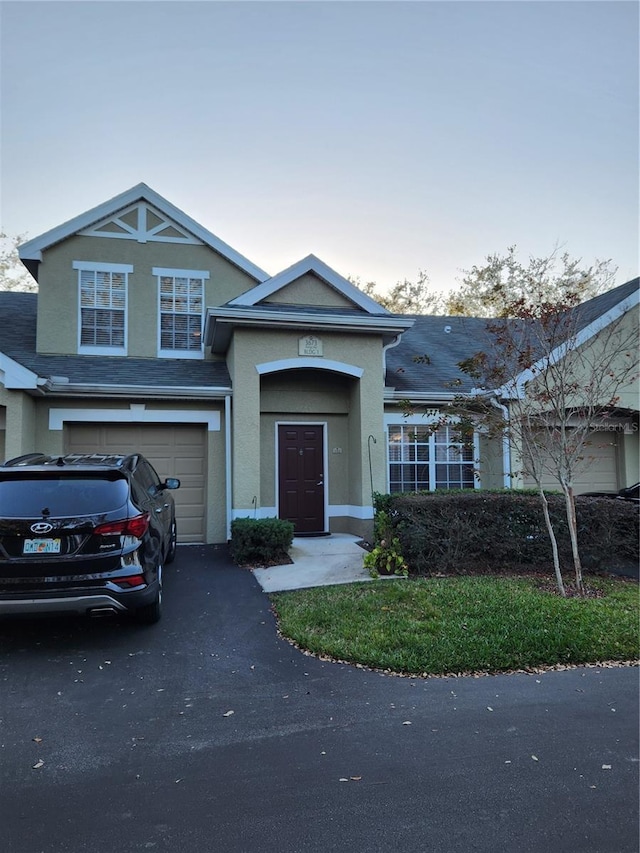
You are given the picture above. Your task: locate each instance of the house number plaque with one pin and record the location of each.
(309, 345)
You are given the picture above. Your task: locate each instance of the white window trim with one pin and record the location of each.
(421, 420)
(179, 273)
(100, 266)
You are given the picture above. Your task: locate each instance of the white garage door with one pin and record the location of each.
(174, 451)
(600, 473)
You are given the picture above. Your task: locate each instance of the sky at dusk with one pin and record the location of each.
(384, 137)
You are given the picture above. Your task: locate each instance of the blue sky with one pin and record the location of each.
(384, 137)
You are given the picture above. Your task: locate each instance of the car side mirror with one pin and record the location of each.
(171, 483)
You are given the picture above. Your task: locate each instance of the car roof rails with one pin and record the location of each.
(127, 462)
(28, 459)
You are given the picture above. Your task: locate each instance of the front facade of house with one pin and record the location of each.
(266, 396)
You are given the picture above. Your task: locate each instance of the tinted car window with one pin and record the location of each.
(147, 477)
(61, 496)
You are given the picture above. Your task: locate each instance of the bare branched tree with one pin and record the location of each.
(559, 372)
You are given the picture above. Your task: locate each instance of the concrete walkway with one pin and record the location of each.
(317, 561)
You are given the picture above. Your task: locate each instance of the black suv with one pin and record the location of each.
(84, 534)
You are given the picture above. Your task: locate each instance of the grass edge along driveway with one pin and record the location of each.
(440, 626)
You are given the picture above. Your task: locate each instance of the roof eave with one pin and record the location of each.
(80, 389)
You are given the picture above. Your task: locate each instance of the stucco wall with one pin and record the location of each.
(310, 290)
(351, 407)
(20, 423)
(613, 351)
(58, 298)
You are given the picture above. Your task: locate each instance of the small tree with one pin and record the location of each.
(558, 384)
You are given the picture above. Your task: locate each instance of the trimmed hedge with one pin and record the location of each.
(260, 541)
(482, 531)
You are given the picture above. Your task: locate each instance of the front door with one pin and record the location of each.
(301, 477)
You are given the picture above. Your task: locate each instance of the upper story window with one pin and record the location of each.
(181, 307)
(103, 307)
(424, 459)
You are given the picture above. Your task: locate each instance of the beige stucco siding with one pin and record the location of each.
(604, 369)
(351, 407)
(491, 458)
(306, 396)
(304, 391)
(58, 299)
(20, 422)
(310, 290)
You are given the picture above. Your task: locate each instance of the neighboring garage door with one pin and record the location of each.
(601, 474)
(174, 451)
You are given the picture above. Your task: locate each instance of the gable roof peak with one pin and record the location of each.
(310, 264)
(31, 252)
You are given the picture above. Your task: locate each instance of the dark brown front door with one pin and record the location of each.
(301, 477)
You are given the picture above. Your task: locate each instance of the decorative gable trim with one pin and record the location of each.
(121, 217)
(145, 224)
(310, 264)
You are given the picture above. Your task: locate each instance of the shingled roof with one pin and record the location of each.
(425, 361)
(18, 341)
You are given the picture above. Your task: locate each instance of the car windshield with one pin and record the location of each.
(24, 497)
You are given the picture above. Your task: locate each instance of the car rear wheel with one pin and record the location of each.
(151, 613)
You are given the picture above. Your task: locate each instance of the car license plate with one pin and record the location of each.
(41, 546)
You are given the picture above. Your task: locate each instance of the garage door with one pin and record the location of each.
(174, 451)
(601, 474)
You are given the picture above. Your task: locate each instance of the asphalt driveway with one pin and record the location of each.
(209, 734)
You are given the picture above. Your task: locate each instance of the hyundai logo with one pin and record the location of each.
(42, 527)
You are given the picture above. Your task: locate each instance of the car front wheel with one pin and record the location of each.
(173, 540)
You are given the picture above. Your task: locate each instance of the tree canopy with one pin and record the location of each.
(406, 297)
(497, 287)
(13, 275)
(503, 284)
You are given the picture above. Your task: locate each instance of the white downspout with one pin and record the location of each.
(394, 343)
(227, 464)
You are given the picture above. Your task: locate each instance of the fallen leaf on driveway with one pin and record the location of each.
(37, 739)
(534, 758)
(39, 763)
(228, 713)
(407, 723)
(606, 767)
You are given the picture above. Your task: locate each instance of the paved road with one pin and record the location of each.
(141, 750)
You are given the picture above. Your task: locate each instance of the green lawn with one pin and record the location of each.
(462, 624)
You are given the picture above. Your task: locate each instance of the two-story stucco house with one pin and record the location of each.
(266, 396)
